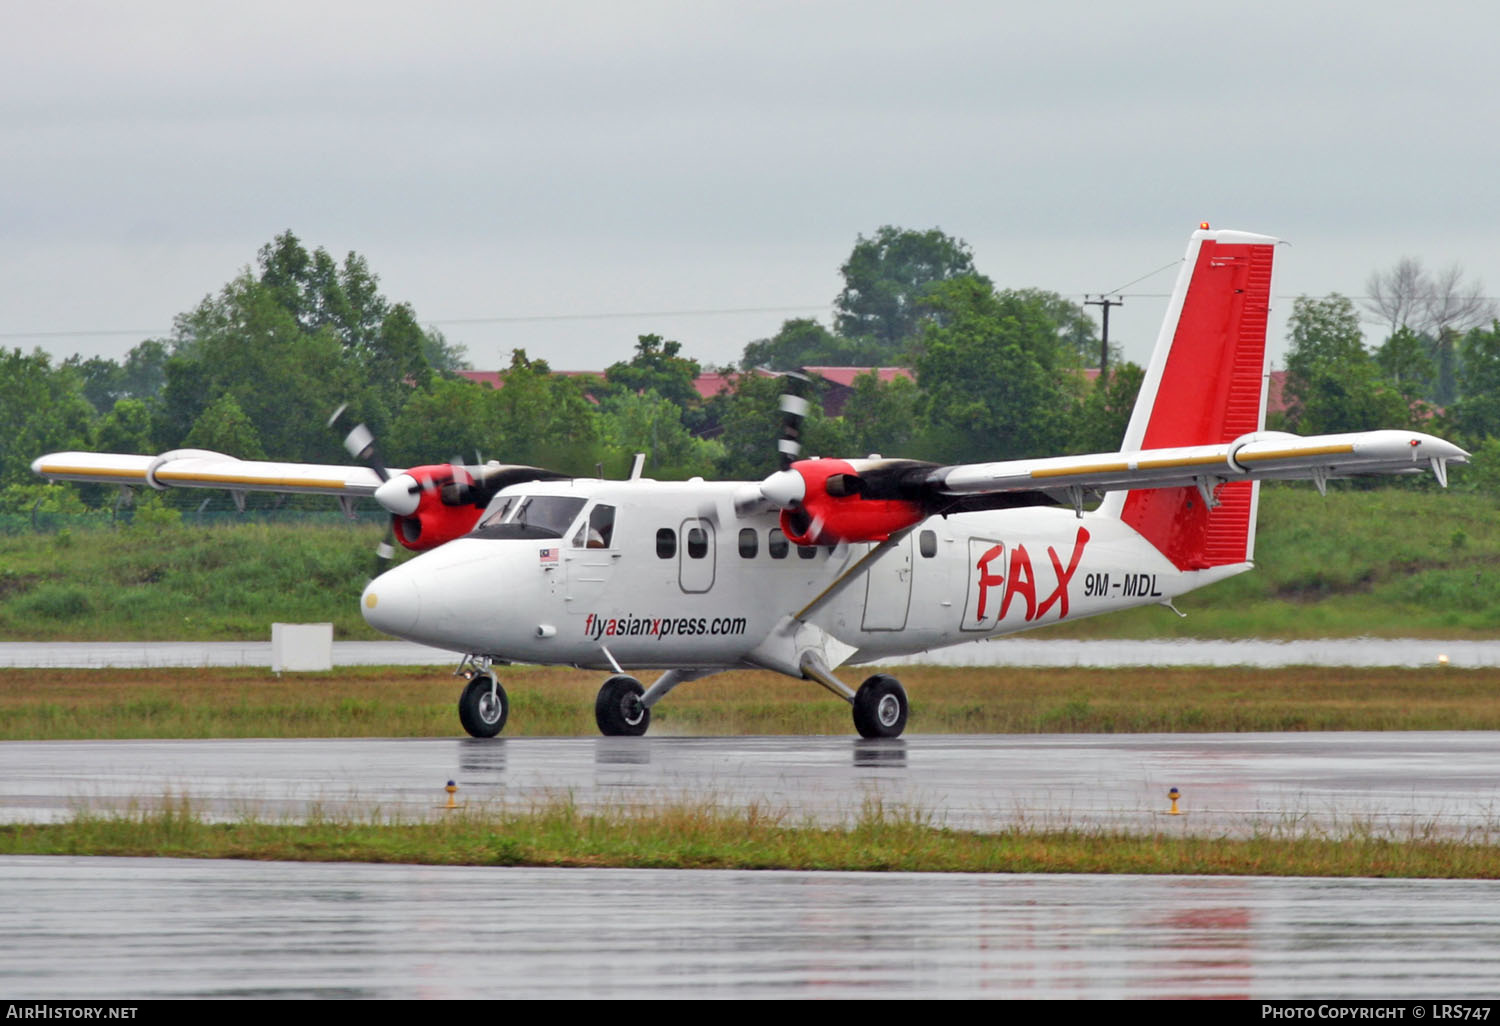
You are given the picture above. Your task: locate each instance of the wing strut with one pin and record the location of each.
(847, 577)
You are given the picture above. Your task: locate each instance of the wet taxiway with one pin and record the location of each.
(1399, 784)
(145, 928)
(162, 928)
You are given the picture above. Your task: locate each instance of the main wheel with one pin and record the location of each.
(618, 709)
(482, 709)
(880, 707)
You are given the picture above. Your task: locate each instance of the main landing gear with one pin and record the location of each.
(880, 707)
(618, 709)
(484, 706)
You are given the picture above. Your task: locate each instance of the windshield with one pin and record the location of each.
(531, 516)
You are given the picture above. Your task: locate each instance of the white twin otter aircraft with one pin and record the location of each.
(830, 562)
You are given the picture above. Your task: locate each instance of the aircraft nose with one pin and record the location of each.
(391, 603)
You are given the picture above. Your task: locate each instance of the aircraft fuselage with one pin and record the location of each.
(682, 581)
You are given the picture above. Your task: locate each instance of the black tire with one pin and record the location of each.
(618, 709)
(482, 715)
(880, 707)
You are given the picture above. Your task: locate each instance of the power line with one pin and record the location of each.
(1143, 277)
(621, 315)
(518, 319)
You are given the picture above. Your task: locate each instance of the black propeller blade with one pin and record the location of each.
(359, 442)
(793, 413)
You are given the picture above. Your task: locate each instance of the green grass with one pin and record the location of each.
(420, 702)
(1386, 562)
(185, 583)
(703, 836)
(1390, 562)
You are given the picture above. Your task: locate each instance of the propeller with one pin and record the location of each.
(359, 442)
(828, 501)
(793, 413)
(432, 504)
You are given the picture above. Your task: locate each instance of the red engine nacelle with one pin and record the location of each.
(833, 508)
(435, 520)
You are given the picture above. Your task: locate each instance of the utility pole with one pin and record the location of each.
(1105, 302)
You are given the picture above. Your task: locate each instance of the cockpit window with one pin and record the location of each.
(597, 531)
(532, 516)
(501, 511)
(547, 512)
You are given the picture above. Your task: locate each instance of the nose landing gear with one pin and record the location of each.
(484, 706)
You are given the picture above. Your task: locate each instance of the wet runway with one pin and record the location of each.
(144, 928)
(162, 928)
(1399, 784)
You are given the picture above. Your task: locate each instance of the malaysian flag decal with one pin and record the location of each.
(548, 556)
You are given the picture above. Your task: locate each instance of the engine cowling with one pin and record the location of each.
(431, 505)
(835, 507)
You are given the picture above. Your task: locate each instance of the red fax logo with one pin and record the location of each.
(1004, 575)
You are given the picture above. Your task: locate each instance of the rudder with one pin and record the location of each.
(1205, 385)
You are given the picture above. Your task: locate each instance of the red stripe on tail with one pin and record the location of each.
(1209, 392)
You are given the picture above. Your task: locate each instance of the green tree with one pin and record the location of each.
(546, 419)
(887, 279)
(1332, 382)
(657, 367)
(451, 417)
(1406, 363)
(43, 409)
(648, 423)
(1106, 409)
(224, 427)
(102, 380)
(884, 417)
(343, 302)
(291, 340)
(1477, 413)
(804, 342)
(441, 355)
(126, 428)
(751, 424)
(246, 343)
(144, 372)
(1075, 328)
(998, 381)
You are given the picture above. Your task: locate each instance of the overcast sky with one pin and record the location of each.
(563, 160)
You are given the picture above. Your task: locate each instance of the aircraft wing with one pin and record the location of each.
(1262, 456)
(200, 468)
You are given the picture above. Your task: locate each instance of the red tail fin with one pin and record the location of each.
(1205, 385)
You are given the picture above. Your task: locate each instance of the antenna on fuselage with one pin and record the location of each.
(637, 465)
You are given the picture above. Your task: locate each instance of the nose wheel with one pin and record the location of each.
(618, 709)
(484, 706)
(880, 707)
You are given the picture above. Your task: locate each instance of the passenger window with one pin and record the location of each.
(776, 544)
(749, 542)
(697, 542)
(807, 551)
(666, 543)
(927, 543)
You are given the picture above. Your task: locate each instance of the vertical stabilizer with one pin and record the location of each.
(1205, 385)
